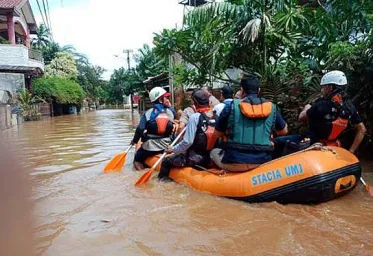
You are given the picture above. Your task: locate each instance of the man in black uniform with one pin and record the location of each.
(330, 115)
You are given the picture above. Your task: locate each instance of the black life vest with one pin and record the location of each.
(335, 121)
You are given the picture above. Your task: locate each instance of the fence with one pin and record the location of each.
(44, 109)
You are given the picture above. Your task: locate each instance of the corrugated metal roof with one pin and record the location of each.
(9, 4)
(163, 75)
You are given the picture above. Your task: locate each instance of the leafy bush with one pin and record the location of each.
(27, 109)
(58, 89)
(63, 65)
(4, 41)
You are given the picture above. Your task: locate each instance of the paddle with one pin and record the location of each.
(146, 176)
(117, 162)
(366, 186)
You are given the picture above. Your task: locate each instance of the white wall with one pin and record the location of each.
(14, 55)
(11, 82)
(17, 55)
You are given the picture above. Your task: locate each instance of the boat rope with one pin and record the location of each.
(318, 146)
(220, 173)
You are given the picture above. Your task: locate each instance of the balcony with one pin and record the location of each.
(19, 57)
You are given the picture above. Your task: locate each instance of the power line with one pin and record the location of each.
(50, 20)
(46, 15)
(42, 16)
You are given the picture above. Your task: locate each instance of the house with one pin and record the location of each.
(18, 62)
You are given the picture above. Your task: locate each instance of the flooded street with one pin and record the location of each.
(80, 211)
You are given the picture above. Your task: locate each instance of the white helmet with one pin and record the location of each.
(334, 77)
(156, 93)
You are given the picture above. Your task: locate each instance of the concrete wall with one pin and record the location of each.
(35, 63)
(17, 55)
(11, 82)
(13, 55)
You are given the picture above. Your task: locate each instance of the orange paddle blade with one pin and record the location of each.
(369, 189)
(145, 177)
(366, 186)
(116, 163)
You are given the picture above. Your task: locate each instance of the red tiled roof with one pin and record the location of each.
(9, 4)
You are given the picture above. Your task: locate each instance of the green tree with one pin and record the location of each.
(59, 89)
(123, 82)
(79, 57)
(245, 34)
(90, 79)
(63, 65)
(149, 63)
(50, 51)
(42, 39)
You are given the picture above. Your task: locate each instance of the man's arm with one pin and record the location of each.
(283, 131)
(360, 133)
(281, 127)
(189, 136)
(183, 121)
(303, 115)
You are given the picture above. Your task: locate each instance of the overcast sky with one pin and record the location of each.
(103, 28)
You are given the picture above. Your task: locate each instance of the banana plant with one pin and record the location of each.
(27, 106)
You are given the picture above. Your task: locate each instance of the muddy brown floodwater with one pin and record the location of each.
(80, 211)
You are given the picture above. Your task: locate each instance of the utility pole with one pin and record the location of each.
(171, 78)
(128, 51)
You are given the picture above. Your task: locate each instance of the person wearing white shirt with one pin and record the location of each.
(226, 98)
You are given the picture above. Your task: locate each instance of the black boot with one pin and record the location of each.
(165, 170)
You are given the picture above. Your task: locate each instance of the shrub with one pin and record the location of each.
(59, 89)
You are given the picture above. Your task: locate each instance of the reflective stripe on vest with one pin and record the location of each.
(250, 126)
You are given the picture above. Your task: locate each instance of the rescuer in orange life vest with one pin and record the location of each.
(158, 123)
(248, 124)
(328, 116)
(195, 147)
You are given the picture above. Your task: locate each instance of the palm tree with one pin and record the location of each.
(43, 37)
(148, 63)
(79, 57)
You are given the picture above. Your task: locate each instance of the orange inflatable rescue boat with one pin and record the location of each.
(314, 175)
